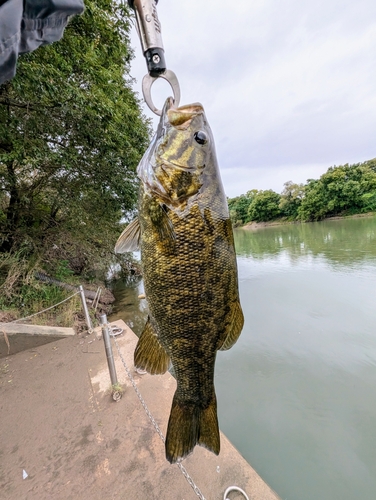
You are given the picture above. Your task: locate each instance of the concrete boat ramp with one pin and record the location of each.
(63, 437)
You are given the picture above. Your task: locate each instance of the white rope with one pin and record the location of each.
(40, 312)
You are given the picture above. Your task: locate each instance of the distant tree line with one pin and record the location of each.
(342, 190)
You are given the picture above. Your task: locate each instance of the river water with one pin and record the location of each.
(297, 393)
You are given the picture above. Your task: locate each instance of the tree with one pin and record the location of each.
(264, 206)
(315, 202)
(369, 201)
(291, 198)
(343, 189)
(71, 136)
(239, 207)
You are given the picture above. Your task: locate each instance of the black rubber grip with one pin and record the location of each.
(131, 3)
(155, 61)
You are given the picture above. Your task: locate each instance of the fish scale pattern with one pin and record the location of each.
(191, 290)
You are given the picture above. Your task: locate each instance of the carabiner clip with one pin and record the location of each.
(149, 30)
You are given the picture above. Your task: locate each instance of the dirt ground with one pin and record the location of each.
(60, 425)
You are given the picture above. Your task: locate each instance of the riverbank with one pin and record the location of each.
(281, 222)
(73, 441)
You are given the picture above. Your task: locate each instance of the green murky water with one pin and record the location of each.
(297, 393)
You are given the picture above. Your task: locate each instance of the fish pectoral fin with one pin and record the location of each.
(129, 240)
(190, 425)
(235, 327)
(149, 354)
(162, 224)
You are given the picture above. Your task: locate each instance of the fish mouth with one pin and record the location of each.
(182, 116)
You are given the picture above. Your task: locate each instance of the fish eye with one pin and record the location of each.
(201, 137)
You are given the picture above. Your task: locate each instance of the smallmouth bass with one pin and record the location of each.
(190, 274)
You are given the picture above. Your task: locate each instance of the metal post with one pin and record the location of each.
(84, 307)
(108, 347)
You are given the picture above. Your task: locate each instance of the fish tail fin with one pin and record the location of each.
(190, 425)
(209, 430)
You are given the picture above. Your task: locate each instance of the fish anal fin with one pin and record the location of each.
(129, 240)
(235, 327)
(149, 354)
(190, 425)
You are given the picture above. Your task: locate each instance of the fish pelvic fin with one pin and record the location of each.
(129, 240)
(190, 425)
(149, 354)
(235, 327)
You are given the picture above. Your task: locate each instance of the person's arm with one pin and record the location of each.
(27, 24)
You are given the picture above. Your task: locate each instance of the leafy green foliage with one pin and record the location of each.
(369, 201)
(265, 206)
(291, 199)
(342, 190)
(63, 270)
(71, 136)
(239, 207)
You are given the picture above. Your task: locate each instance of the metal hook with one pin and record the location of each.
(147, 83)
(234, 488)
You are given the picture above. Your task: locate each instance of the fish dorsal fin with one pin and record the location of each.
(235, 327)
(129, 240)
(149, 354)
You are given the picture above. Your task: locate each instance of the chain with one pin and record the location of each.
(142, 401)
(190, 481)
(41, 312)
(183, 470)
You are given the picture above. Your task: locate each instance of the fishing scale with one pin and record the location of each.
(150, 33)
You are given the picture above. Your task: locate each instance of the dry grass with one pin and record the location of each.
(62, 315)
(22, 295)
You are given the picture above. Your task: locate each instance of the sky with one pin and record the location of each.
(288, 86)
